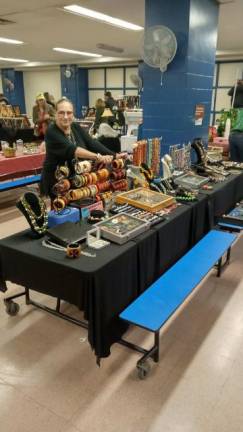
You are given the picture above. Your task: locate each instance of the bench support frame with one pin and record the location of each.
(153, 353)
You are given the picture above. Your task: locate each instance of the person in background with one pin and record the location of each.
(236, 138)
(109, 100)
(106, 134)
(90, 113)
(65, 141)
(50, 99)
(41, 111)
(3, 100)
(99, 109)
(238, 101)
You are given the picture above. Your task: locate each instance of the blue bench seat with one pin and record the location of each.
(20, 182)
(158, 303)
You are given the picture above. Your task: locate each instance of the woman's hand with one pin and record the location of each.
(122, 155)
(107, 159)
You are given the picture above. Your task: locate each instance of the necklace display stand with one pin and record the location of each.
(35, 212)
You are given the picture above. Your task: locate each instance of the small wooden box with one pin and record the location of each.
(145, 199)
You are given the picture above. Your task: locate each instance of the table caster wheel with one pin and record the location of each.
(143, 370)
(12, 308)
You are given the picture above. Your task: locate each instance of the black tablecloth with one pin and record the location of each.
(11, 135)
(105, 285)
(224, 196)
(101, 286)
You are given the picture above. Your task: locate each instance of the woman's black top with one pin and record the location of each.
(60, 149)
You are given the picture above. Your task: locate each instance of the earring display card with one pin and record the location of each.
(191, 181)
(145, 199)
(122, 228)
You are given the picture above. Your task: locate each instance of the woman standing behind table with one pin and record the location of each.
(66, 141)
(41, 111)
(99, 109)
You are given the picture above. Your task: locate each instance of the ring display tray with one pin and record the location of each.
(191, 181)
(145, 199)
(122, 228)
(235, 216)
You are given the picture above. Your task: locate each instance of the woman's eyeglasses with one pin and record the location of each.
(63, 113)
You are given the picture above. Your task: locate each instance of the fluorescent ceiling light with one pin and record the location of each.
(78, 10)
(13, 60)
(10, 41)
(82, 53)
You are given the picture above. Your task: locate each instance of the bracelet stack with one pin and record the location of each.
(91, 180)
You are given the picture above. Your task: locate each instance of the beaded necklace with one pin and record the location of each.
(34, 218)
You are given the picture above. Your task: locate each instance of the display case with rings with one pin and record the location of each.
(145, 199)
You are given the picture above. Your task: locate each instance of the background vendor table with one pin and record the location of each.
(13, 167)
(224, 196)
(103, 286)
(26, 134)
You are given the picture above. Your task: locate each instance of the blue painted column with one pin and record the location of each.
(74, 83)
(169, 110)
(13, 87)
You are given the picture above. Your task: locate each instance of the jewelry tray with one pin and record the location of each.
(191, 181)
(122, 228)
(235, 216)
(145, 199)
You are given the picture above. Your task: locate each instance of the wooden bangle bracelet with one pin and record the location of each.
(73, 250)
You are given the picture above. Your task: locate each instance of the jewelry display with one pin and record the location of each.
(181, 156)
(73, 250)
(61, 187)
(51, 245)
(59, 203)
(62, 172)
(77, 181)
(27, 148)
(103, 174)
(104, 186)
(232, 165)
(148, 152)
(95, 216)
(94, 241)
(134, 173)
(120, 185)
(122, 228)
(185, 196)
(34, 209)
(191, 181)
(82, 167)
(118, 175)
(235, 216)
(216, 173)
(152, 218)
(145, 199)
(118, 163)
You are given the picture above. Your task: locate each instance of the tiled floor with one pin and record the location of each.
(49, 381)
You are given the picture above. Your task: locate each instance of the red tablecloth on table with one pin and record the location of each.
(20, 165)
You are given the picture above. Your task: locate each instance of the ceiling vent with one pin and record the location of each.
(110, 48)
(6, 22)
